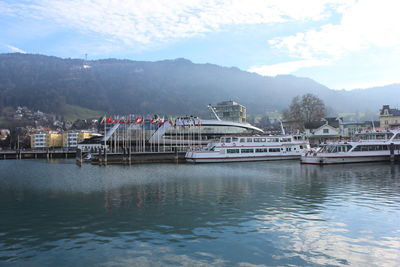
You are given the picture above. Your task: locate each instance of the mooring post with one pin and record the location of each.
(176, 155)
(130, 156)
(78, 157)
(123, 155)
(99, 157)
(391, 148)
(105, 156)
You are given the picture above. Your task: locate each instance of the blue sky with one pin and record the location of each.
(343, 44)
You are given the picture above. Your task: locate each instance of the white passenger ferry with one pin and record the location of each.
(250, 148)
(367, 147)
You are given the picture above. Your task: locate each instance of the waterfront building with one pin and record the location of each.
(46, 140)
(389, 117)
(231, 111)
(353, 128)
(71, 139)
(38, 140)
(51, 139)
(140, 134)
(54, 139)
(328, 129)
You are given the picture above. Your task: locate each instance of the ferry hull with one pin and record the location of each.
(323, 160)
(195, 159)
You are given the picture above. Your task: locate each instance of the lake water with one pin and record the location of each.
(239, 214)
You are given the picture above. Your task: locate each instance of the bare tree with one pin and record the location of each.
(306, 109)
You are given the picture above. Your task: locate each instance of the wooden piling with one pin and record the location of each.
(391, 148)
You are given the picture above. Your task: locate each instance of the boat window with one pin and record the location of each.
(227, 140)
(261, 150)
(232, 151)
(247, 150)
(288, 149)
(371, 148)
(397, 137)
(285, 139)
(249, 139)
(242, 140)
(274, 150)
(301, 147)
(329, 149)
(273, 139)
(235, 139)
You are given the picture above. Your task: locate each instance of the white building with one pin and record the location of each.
(70, 139)
(38, 140)
(328, 129)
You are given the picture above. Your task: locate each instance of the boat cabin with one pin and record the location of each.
(261, 139)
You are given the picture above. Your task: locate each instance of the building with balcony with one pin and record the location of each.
(46, 140)
(52, 139)
(73, 138)
(230, 111)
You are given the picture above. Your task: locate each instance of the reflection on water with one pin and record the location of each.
(244, 214)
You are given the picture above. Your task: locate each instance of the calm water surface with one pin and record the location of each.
(241, 214)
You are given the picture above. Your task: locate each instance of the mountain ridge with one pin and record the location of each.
(174, 87)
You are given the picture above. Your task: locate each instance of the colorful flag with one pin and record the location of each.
(109, 120)
(138, 120)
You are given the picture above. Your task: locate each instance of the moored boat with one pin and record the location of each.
(367, 147)
(250, 148)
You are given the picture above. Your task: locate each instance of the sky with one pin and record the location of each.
(342, 44)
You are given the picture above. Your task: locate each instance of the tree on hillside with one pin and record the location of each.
(304, 109)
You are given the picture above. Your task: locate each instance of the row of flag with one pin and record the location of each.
(156, 121)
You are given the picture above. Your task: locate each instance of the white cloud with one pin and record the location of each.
(153, 21)
(364, 24)
(15, 49)
(287, 67)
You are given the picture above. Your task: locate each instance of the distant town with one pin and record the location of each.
(46, 131)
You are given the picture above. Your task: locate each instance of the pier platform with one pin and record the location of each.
(36, 154)
(138, 158)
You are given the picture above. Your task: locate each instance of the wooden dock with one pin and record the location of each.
(36, 154)
(137, 158)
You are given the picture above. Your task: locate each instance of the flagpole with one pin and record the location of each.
(105, 127)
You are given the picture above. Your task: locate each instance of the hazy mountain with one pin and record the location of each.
(167, 87)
